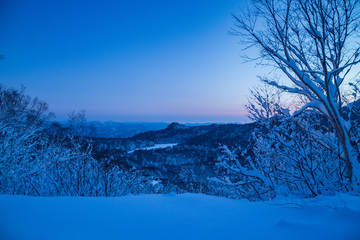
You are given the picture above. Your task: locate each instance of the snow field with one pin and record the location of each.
(186, 216)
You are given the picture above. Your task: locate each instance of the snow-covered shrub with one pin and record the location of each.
(22, 141)
(192, 182)
(38, 159)
(302, 156)
(299, 156)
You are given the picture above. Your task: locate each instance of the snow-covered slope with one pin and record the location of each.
(188, 216)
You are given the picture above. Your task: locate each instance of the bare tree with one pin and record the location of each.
(265, 102)
(316, 44)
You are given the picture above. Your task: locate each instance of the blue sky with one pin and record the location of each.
(127, 60)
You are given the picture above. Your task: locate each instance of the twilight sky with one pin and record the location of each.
(127, 60)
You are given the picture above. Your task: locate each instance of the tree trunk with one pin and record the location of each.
(350, 156)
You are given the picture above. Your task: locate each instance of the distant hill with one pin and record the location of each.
(189, 147)
(175, 133)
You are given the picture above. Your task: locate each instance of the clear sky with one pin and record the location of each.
(127, 60)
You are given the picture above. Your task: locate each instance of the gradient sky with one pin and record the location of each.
(127, 60)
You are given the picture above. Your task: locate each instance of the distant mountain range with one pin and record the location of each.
(122, 129)
(168, 152)
(110, 129)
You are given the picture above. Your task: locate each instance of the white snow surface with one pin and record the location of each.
(156, 146)
(185, 216)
